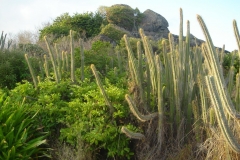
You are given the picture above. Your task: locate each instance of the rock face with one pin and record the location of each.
(154, 25)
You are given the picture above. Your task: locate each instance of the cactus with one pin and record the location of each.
(134, 68)
(31, 71)
(135, 111)
(219, 111)
(108, 103)
(82, 59)
(58, 61)
(66, 61)
(52, 59)
(131, 134)
(63, 66)
(72, 58)
(213, 63)
(46, 66)
(218, 94)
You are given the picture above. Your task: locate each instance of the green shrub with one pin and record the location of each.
(101, 55)
(87, 24)
(123, 16)
(114, 32)
(19, 138)
(13, 68)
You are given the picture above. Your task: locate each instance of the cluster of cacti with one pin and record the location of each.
(225, 111)
(59, 61)
(170, 82)
(178, 87)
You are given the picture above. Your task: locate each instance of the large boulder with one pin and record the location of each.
(154, 25)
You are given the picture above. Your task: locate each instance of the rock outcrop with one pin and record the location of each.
(154, 25)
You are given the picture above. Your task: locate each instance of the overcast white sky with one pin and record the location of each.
(21, 15)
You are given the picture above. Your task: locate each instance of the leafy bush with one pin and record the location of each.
(101, 55)
(13, 68)
(133, 42)
(19, 138)
(87, 24)
(114, 32)
(78, 113)
(123, 16)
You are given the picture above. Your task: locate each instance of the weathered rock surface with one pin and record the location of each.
(154, 25)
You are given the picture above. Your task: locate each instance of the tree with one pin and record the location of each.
(86, 25)
(123, 16)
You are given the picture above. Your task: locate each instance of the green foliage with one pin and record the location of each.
(76, 113)
(93, 122)
(231, 59)
(19, 138)
(101, 55)
(87, 24)
(55, 30)
(13, 68)
(114, 32)
(133, 42)
(123, 16)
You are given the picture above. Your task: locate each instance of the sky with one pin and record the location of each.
(30, 15)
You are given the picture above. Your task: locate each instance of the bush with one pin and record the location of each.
(87, 24)
(13, 68)
(101, 55)
(114, 32)
(123, 16)
(19, 138)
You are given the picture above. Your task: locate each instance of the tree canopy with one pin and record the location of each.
(86, 25)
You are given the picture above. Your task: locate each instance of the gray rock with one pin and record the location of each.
(154, 25)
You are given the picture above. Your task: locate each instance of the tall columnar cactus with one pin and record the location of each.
(100, 85)
(214, 68)
(63, 67)
(236, 32)
(237, 97)
(31, 71)
(150, 60)
(66, 60)
(160, 102)
(59, 64)
(46, 68)
(82, 59)
(52, 60)
(134, 68)
(217, 91)
(72, 57)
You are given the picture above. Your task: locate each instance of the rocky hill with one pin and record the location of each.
(154, 25)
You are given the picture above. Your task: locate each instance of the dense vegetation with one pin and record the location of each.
(119, 102)
(86, 25)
